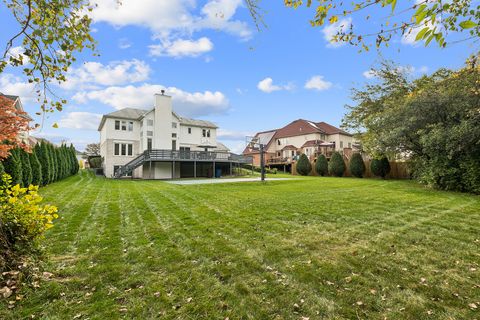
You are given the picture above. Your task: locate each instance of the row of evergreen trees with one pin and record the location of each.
(337, 167)
(45, 164)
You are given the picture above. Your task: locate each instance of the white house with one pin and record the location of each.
(159, 144)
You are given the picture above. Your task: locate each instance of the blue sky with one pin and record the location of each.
(217, 66)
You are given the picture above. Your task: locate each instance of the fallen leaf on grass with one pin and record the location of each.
(359, 303)
(6, 292)
(473, 306)
(123, 310)
(373, 291)
(189, 299)
(157, 294)
(429, 312)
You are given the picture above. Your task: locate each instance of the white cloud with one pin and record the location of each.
(80, 120)
(266, 85)
(232, 134)
(318, 83)
(369, 74)
(331, 30)
(16, 86)
(173, 19)
(186, 103)
(91, 74)
(182, 48)
(124, 43)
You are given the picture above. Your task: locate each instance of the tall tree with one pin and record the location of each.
(26, 167)
(433, 121)
(36, 168)
(422, 20)
(49, 34)
(12, 122)
(92, 149)
(13, 166)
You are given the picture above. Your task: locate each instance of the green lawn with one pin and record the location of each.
(319, 248)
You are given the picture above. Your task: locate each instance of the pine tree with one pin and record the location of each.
(304, 167)
(41, 151)
(357, 166)
(26, 167)
(53, 160)
(75, 164)
(13, 167)
(2, 170)
(37, 178)
(336, 165)
(321, 165)
(380, 167)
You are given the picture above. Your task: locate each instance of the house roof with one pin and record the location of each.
(137, 114)
(197, 123)
(289, 147)
(312, 143)
(329, 129)
(265, 138)
(222, 147)
(18, 104)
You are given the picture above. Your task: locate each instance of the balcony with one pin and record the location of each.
(177, 155)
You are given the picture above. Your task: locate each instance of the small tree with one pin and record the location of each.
(321, 166)
(380, 167)
(357, 166)
(336, 165)
(13, 167)
(304, 166)
(92, 149)
(36, 169)
(26, 167)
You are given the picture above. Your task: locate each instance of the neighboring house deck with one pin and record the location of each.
(159, 144)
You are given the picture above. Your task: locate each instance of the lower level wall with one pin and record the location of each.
(160, 170)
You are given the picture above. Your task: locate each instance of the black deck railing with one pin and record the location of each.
(180, 155)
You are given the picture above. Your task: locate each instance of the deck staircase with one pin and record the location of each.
(129, 167)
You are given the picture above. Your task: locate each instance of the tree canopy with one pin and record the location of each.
(50, 34)
(433, 121)
(422, 20)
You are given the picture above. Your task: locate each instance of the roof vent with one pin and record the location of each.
(163, 92)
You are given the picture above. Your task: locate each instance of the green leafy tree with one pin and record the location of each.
(13, 167)
(336, 165)
(26, 167)
(420, 20)
(50, 34)
(321, 165)
(36, 169)
(2, 169)
(53, 159)
(357, 166)
(432, 121)
(380, 167)
(75, 164)
(304, 167)
(42, 153)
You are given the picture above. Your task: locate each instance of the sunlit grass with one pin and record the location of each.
(320, 248)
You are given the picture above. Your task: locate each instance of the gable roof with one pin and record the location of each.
(265, 138)
(329, 129)
(197, 123)
(18, 104)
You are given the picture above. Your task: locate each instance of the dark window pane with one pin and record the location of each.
(117, 125)
(117, 149)
(130, 150)
(124, 149)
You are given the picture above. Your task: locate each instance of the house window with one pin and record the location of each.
(149, 144)
(117, 124)
(174, 125)
(341, 144)
(322, 136)
(174, 135)
(278, 154)
(189, 130)
(149, 133)
(123, 149)
(124, 125)
(279, 142)
(130, 126)
(206, 133)
(293, 153)
(149, 122)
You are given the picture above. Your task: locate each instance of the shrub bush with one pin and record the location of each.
(95, 162)
(23, 220)
(304, 167)
(336, 165)
(380, 167)
(357, 166)
(321, 166)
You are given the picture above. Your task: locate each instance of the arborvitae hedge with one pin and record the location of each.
(357, 166)
(336, 165)
(13, 166)
(303, 165)
(36, 169)
(26, 168)
(321, 166)
(380, 167)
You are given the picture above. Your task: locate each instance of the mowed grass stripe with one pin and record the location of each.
(252, 251)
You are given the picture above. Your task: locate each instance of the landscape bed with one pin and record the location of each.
(314, 247)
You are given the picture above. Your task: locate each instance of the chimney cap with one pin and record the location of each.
(163, 92)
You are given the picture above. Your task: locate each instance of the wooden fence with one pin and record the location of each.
(398, 170)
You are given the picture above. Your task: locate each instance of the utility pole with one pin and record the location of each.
(262, 162)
